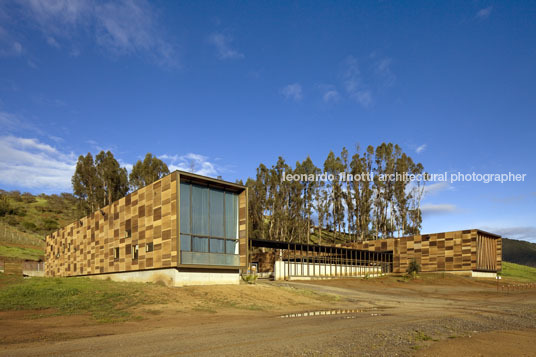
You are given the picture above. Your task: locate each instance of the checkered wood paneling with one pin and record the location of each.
(146, 216)
(449, 251)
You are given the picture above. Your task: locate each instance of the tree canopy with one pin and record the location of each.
(101, 181)
(147, 171)
(344, 210)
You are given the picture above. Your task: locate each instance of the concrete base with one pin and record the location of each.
(174, 277)
(33, 273)
(483, 274)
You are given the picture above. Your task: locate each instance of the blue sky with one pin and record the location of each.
(229, 85)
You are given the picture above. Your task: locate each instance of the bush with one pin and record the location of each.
(28, 198)
(250, 278)
(15, 195)
(12, 221)
(29, 226)
(5, 207)
(50, 224)
(413, 268)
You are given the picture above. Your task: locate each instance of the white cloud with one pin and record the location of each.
(126, 165)
(363, 97)
(29, 163)
(10, 47)
(383, 70)
(223, 46)
(434, 188)
(522, 232)
(420, 148)
(54, 15)
(331, 96)
(196, 163)
(484, 13)
(433, 209)
(121, 27)
(10, 123)
(292, 91)
(352, 75)
(354, 85)
(52, 42)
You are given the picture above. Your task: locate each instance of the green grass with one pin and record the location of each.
(518, 272)
(11, 235)
(421, 336)
(21, 253)
(105, 301)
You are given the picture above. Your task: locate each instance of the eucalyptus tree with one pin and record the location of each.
(86, 185)
(322, 208)
(360, 168)
(147, 171)
(310, 189)
(257, 202)
(348, 194)
(113, 177)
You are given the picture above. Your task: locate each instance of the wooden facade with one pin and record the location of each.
(468, 250)
(138, 232)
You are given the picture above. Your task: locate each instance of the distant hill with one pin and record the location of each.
(519, 251)
(25, 219)
(37, 214)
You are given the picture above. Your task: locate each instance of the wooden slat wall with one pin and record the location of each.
(449, 251)
(243, 229)
(86, 246)
(487, 253)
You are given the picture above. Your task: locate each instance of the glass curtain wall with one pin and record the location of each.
(209, 225)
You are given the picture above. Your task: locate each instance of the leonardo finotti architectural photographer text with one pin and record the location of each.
(406, 177)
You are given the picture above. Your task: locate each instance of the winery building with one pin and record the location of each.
(182, 229)
(187, 229)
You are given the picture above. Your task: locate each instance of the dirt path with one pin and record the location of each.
(430, 318)
(496, 343)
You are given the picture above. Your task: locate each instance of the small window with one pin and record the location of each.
(116, 253)
(135, 252)
(128, 233)
(149, 247)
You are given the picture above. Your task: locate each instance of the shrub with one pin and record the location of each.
(50, 224)
(12, 221)
(250, 278)
(29, 226)
(413, 268)
(28, 198)
(5, 207)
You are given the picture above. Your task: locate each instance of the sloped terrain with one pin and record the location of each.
(519, 252)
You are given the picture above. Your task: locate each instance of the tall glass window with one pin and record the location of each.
(208, 225)
(200, 217)
(217, 228)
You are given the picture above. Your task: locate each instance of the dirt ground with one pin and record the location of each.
(432, 316)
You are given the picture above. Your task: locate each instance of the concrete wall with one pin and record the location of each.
(483, 274)
(174, 277)
(319, 270)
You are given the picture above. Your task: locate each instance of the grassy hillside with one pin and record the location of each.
(20, 245)
(21, 253)
(40, 214)
(520, 252)
(104, 300)
(518, 272)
